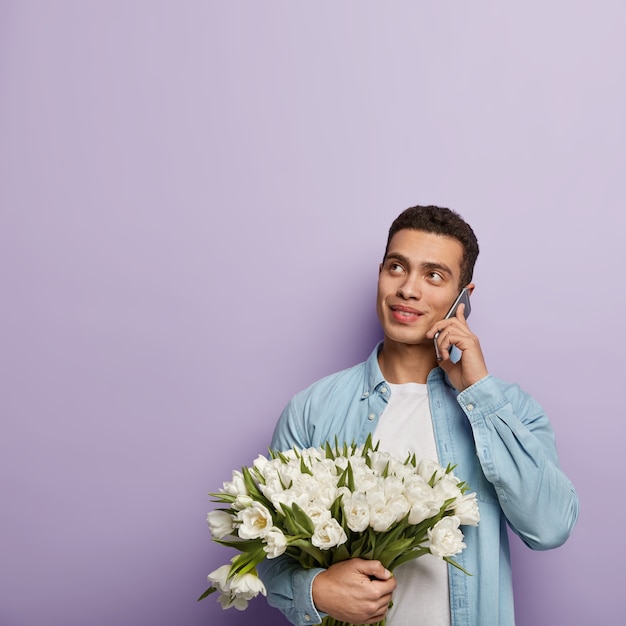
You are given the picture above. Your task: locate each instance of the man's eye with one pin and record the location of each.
(395, 268)
(435, 277)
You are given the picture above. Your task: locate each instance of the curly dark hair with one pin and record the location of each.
(440, 221)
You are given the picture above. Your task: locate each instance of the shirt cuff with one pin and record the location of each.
(483, 398)
(307, 613)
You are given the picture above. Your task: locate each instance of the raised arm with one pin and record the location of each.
(516, 449)
(514, 443)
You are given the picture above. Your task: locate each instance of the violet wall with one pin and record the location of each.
(194, 199)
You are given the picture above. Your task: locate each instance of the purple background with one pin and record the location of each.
(194, 201)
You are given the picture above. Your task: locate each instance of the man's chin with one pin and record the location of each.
(402, 339)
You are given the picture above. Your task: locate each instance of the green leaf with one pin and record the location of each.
(447, 559)
(368, 461)
(208, 592)
(359, 546)
(224, 498)
(341, 553)
(304, 468)
(296, 521)
(304, 545)
(414, 553)
(243, 545)
(290, 524)
(283, 485)
(343, 477)
(260, 479)
(283, 458)
(431, 482)
(250, 483)
(392, 537)
(336, 511)
(350, 477)
(385, 472)
(302, 519)
(246, 562)
(337, 451)
(253, 489)
(232, 511)
(346, 478)
(329, 451)
(368, 446)
(370, 547)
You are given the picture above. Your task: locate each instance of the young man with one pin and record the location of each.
(455, 412)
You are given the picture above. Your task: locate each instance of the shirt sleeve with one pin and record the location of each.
(516, 448)
(289, 589)
(290, 429)
(289, 585)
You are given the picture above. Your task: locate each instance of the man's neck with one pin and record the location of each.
(402, 363)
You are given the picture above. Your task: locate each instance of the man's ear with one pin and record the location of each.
(470, 287)
(380, 268)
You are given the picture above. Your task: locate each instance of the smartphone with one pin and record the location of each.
(462, 298)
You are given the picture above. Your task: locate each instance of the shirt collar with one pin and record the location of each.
(374, 377)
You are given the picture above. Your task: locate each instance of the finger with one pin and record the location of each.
(375, 569)
(442, 325)
(444, 344)
(379, 614)
(460, 311)
(438, 328)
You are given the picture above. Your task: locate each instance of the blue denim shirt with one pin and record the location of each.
(503, 446)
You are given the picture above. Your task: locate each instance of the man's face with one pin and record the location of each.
(417, 283)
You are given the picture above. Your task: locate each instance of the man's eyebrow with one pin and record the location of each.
(432, 265)
(397, 257)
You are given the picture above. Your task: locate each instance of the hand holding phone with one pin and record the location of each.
(462, 298)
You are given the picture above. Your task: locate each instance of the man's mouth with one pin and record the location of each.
(405, 314)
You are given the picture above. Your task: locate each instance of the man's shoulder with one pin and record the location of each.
(343, 378)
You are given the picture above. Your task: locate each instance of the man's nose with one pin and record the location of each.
(409, 288)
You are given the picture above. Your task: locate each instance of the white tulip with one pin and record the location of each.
(236, 486)
(275, 542)
(220, 524)
(329, 534)
(219, 577)
(398, 506)
(381, 516)
(356, 511)
(247, 586)
(466, 509)
(445, 537)
(426, 468)
(255, 521)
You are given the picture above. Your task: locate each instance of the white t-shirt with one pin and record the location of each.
(422, 597)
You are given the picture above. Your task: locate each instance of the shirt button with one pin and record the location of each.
(371, 416)
(307, 617)
(366, 394)
(384, 389)
(470, 407)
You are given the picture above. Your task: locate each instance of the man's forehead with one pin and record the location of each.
(410, 242)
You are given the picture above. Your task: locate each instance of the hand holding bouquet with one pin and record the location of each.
(321, 506)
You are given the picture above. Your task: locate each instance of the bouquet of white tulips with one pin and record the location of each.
(320, 506)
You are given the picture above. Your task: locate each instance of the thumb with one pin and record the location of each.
(375, 569)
